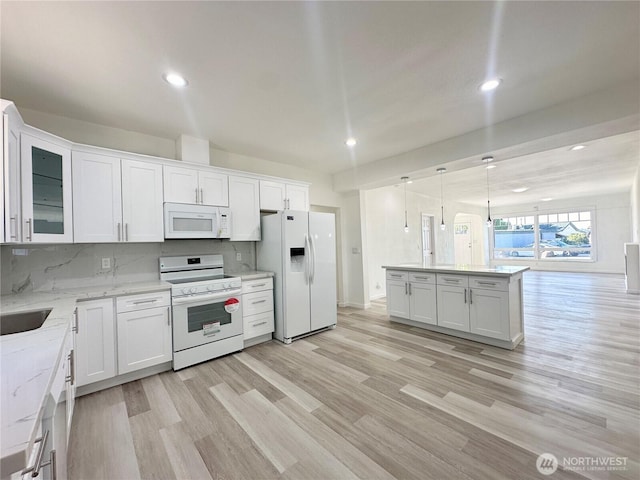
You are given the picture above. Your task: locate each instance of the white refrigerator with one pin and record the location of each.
(300, 248)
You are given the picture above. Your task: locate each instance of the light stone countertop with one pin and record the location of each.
(498, 271)
(28, 361)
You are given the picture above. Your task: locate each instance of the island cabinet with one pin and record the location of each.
(412, 296)
(485, 308)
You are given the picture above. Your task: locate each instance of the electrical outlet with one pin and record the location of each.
(106, 263)
(238, 256)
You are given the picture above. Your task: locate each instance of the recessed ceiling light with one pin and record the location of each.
(351, 142)
(520, 190)
(548, 199)
(491, 84)
(489, 167)
(577, 147)
(409, 181)
(175, 80)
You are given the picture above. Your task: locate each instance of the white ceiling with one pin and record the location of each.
(289, 81)
(605, 166)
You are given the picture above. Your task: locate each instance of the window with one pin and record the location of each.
(549, 236)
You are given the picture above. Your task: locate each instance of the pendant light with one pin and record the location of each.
(406, 225)
(441, 170)
(489, 221)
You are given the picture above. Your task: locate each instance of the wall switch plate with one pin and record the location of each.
(106, 263)
(238, 256)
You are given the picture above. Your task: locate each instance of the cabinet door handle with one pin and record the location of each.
(119, 232)
(406, 288)
(75, 320)
(201, 196)
(197, 199)
(71, 378)
(29, 229)
(13, 223)
(126, 232)
(409, 288)
(465, 295)
(470, 296)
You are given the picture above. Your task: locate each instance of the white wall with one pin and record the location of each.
(352, 253)
(386, 241)
(635, 208)
(612, 228)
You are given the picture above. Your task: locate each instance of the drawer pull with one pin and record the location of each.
(140, 302)
(258, 285)
(395, 275)
(35, 470)
(258, 324)
(493, 284)
(421, 278)
(451, 280)
(259, 301)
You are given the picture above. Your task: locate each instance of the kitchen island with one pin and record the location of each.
(478, 303)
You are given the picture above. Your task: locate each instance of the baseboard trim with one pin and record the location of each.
(120, 379)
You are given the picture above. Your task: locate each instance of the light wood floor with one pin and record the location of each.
(378, 400)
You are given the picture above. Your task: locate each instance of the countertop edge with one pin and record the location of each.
(459, 271)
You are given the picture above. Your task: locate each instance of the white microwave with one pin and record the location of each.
(183, 220)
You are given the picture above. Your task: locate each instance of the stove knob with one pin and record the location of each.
(185, 291)
(209, 287)
(193, 289)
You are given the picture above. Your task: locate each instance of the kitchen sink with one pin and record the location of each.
(22, 321)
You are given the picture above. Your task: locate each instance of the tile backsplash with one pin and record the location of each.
(26, 268)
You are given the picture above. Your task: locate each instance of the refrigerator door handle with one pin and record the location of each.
(306, 260)
(312, 263)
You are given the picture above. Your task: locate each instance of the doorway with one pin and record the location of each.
(463, 241)
(427, 240)
(468, 239)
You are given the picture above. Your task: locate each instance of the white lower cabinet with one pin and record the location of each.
(144, 331)
(115, 337)
(412, 296)
(95, 341)
(257, 309)
(489, 309)
(453, 305)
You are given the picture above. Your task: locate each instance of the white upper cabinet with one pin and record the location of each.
(244, 202)
(214, 188)
(283, 196)
(272, 195)
(97, 195)
(117, 200)
(180, 185)
(192, 185)
(47, 215)
(142, 211)
(11, 226)
(297, 197)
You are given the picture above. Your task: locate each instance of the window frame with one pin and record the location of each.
(537, 250)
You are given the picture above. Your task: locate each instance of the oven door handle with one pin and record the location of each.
(200, 299)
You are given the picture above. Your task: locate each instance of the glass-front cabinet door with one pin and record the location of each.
(46, 191)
